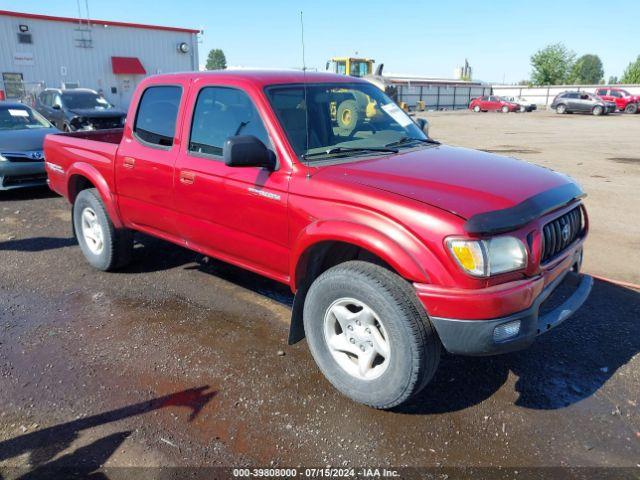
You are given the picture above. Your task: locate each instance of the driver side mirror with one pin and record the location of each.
(247, 151)
(423, 124)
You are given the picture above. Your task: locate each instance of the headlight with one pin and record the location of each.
(483, 258)
(3, 159)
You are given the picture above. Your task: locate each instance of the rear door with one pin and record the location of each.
(146, 157)
(238, 214)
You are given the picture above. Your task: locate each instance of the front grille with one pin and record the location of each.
(12, 181)
(22, 157)
(561, 232)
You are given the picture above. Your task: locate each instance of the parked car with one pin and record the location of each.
(78, 109)
(22, 132)
(493, 103)
(582, 102)
(396, 246)
(525, 105)
(625, 102)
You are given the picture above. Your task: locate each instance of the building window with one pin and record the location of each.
(25, 38)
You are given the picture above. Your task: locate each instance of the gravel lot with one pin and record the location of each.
(181, 360)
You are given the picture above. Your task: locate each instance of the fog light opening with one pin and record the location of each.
(506, 331)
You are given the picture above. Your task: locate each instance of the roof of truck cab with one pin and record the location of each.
(262, 77)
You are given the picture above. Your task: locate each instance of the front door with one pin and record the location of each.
(238, 214)
(145, 161)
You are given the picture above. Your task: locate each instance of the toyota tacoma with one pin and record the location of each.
(395, 245)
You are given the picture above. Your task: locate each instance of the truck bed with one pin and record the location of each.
(113, 135)
(84, 150)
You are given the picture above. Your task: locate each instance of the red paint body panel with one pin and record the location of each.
(486, 104)
(401, 207)
(621, 98)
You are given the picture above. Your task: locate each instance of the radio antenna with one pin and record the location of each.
(304, 86)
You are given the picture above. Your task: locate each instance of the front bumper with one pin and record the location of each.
(21, 174)
(477, 337)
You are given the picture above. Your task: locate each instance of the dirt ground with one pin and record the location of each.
(181, 360)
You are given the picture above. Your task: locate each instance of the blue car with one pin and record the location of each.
(22, 132)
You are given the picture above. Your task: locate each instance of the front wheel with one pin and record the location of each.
(631, 108)
(597, 110)
(369, 334)
(561, 109)
(104, 246)
(476, 108)
(504, 109)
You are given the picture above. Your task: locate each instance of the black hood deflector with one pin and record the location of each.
(519, 215)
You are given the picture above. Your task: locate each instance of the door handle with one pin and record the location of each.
(129, 162)
(187, 178)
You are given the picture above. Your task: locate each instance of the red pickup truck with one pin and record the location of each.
(625, 102)
(396, 246)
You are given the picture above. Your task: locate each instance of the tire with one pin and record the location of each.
(348, 116)
(476, 109)
(597, 110)
(631, 108)
(397, 316)
(105, 247)
(523, 109)
(561, 109)
(504, 109)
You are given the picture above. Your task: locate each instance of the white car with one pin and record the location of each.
(525, 105)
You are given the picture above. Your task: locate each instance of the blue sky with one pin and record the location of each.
(411, 37)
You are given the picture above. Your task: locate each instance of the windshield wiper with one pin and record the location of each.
(334, 150)
(404, 140)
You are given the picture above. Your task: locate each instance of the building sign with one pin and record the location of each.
(23, 58)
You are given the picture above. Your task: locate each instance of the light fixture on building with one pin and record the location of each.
(183, 47)
(23, 28)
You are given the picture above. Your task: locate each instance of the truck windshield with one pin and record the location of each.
(342, 119)
(84, 100)
(18, 117)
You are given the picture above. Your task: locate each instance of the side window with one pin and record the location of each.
(220, 113)
(603, 91)
(616, 94)
(156, 118)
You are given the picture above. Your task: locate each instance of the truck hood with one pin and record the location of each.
(462, 181)
(26, 140)
(93, 113)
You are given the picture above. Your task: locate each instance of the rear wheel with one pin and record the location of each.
(631, 108)
(504, 109)
(597, 110)
(104, 246)
(562, 108)
(369, 334)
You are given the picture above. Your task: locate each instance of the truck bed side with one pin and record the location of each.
(72, 159)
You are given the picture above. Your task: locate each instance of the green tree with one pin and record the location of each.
(551, 65)
(632, 73)
(216, 60)
(612, 80)
(587, 70)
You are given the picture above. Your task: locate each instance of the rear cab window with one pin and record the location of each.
(155, 123)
